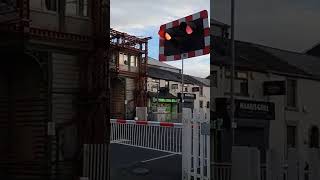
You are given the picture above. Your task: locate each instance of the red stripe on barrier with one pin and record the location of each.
(176, 57)
(189, 18)
(206, 50)
(166, 124)
(207, 32)
(204, 14)
(175, 23)
(161, 43)
(162, 57)
(142, 122)
(191, 54)
(121, 121)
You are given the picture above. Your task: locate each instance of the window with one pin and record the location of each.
(214, 78)
(51, 5)
(291, 93)
(314, 137)
(201, 104)
(291, 136)
(185, 88)
(166, 84)
(244, 88)
(240, 83)
(208, 104)
(174, 86)
(201, 91)
(113, 58)
(125, 59)
(77, 7)
(195, 89)
(133, 61)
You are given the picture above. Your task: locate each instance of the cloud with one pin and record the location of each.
(290, 25)
(138, 14)
(144, 17)
(197, 66)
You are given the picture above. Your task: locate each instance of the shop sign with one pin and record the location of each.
(247, 109)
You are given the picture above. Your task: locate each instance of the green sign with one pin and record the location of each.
(164, 100)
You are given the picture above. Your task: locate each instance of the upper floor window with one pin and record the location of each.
(133, 61)
(201, 104)
(291, 93)
(314, 137)
(201, 91)
(174, 86)
(240, 83)
(49, 5)
(77, 7)
(214, 78)
(166, 84)
(208, 104)
(291, 136)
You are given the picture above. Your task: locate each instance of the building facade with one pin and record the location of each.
(162, 78)
(51, 80)
(276, 106)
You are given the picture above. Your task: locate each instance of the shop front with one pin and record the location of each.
(162, 107)
(252, 130)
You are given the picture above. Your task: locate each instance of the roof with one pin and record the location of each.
(307, 63)
(215, 22)
(203, 80)
(161, 65)
(157, 73)
(314, 51)
(162, 95)
(256, 57)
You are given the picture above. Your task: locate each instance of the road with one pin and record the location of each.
(133, 163)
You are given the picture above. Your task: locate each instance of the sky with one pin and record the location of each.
(144, 17)
(292, 25)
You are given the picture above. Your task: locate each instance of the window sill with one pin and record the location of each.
(44, 11)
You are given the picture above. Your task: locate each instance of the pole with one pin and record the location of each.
(182, 89)
(232, 70)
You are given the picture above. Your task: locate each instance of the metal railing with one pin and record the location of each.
(161, 136)
(221, 171)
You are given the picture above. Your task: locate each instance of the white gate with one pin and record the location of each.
(195, 146)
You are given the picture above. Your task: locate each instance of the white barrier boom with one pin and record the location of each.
(161, 136)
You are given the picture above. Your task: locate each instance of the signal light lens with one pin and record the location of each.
(189, 30)
(167, 37)
(164, 35)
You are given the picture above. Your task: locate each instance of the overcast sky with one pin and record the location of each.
(286, 24)
(144, 17)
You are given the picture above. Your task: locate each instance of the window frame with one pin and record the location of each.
(200, 104)
(79, 9)
(174, 85)
(43, 7)
(294, 138)
(289, 106)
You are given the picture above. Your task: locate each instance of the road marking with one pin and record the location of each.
(161, 157)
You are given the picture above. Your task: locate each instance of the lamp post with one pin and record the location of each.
(233, 125)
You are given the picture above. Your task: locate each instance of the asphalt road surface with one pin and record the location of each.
(133, 163)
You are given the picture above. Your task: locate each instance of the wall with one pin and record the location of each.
(304, 117)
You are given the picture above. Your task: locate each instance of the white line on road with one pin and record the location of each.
(161, 157)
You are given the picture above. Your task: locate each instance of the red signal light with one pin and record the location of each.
(189, 30)
(164, 35)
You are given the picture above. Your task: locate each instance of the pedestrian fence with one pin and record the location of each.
(161, 136)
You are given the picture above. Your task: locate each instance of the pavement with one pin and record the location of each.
(134, 163)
